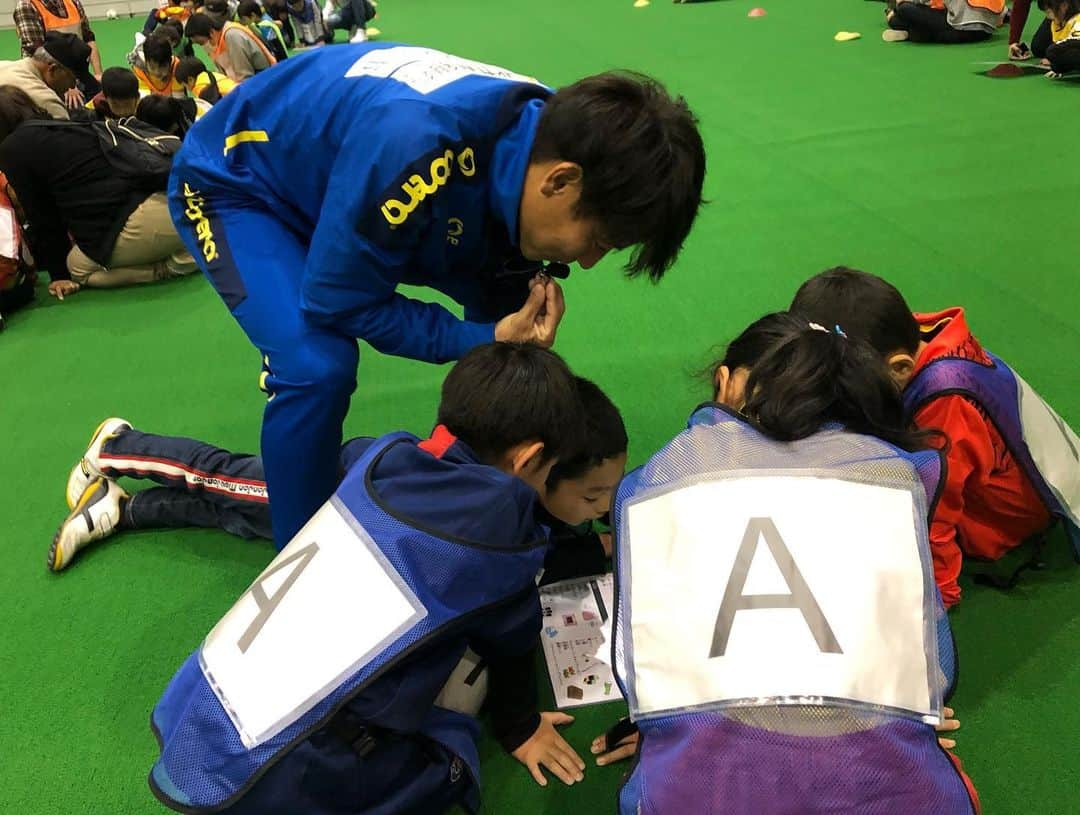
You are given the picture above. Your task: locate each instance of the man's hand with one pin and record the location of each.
(1019, 51)
(546, 748)
(538, 319)
(624, 748)
(948, 724)
(62, 288)
(74, 99)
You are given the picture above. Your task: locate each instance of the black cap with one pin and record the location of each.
(71, 52)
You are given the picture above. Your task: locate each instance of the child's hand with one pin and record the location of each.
(624, 748)
(546, 748)
(948, 724)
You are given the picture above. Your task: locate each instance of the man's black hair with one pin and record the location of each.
(863, 305)
(605, 434)
(502, 394)
(642, 158)
(119, 83)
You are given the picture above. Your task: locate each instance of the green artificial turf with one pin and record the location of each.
(896, 158)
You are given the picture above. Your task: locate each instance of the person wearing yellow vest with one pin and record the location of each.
(179, 11)
(35, 18)
(236, 51)
(208, 86)
(1058, 39)
(945, 22)
(158, 73)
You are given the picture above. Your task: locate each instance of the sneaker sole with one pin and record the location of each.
(71, 500)
(98, 487)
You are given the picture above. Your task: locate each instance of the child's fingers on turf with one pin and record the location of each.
(558, 762)
(624, 750)
(948, 744)
(537, 773)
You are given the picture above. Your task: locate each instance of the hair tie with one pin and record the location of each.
(839, 331)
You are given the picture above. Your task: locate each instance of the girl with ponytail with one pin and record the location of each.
(778, 635)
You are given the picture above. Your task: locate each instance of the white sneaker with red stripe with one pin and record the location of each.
(96, 515)
(87, 469)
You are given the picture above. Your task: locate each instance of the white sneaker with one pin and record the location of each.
(95, 516)
(892, 35)
(359, 36)
(86, 470)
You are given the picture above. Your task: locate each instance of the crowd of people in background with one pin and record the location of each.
(85, 217)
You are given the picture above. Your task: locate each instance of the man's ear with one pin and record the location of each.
(561, 177)
(901, 368)
(720, 383)
(526, 457)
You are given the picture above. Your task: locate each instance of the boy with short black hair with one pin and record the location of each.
(443, 536)
(119, 94)
(1012, 464)
(157, 73)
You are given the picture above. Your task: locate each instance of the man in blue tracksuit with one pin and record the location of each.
(379, 165)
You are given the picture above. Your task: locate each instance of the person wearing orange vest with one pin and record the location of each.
(236, 51)
(35, 18)
(157, 74)
(945, 22)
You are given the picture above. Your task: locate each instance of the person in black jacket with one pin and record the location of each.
(120, 232)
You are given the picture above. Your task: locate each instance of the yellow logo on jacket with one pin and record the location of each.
(194, 213)
(417, 188)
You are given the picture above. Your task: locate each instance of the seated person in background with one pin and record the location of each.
(1012, 466)
(119, 94)
(158, 74)
(946, 22)
(35, 19)
(307, 19)
(220, 11)
(49, 75)
(17, 272)
(250, 13)
(351, 15)
(165, 12)
(278, 12)
(181, 45)
(168, 114)
(201, 83)
(1062, 24)
(235, 51)
(121, 232)
(443, 534)
(766, 555)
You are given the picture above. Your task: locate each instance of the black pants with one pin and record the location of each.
(1041, 40)
(925, 24)
(1064, 56)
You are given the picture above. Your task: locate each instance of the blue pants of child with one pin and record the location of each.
(255, 262)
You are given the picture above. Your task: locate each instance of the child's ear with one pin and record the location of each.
(721, 377)
(901, 368)
(526, 458)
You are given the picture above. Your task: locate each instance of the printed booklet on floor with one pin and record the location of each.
(577, 640)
